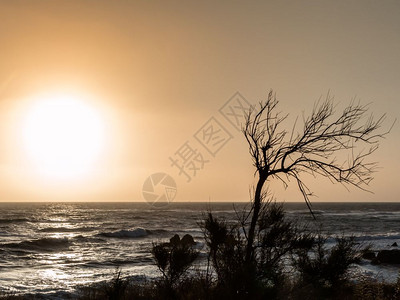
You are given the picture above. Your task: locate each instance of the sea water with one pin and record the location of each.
(49, 248)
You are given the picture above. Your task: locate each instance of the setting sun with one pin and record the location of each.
(173, 150)
(63, 135)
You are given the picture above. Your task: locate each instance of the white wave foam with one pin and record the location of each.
(133, 233)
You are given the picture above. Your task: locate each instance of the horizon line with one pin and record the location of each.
(178, 202)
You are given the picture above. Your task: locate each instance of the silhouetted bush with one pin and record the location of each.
(226, 252)
(115, 289)
(277, 238)
(263, 275)
(118, 288)
(173, 259)
(325, 271)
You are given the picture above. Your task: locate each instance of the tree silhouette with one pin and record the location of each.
(325, 136)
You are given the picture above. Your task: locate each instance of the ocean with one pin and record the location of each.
(51, 248)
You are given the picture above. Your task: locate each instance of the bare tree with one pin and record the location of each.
(325, 136)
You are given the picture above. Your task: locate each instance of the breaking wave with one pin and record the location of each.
(43, 244)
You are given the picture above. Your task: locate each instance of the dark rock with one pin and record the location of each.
(187, 240)
(389, 256)
(175, 240)
(370, 255)
(394, 244)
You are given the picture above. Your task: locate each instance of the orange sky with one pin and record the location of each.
(158, 71)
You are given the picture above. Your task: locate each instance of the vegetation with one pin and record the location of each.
(173, 260)
(317, 149)
(292, 262)
(264, 255)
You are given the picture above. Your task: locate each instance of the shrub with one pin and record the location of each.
(173, 259)
(324, 268)
(226, 252)
(261, 276)
(115, 289)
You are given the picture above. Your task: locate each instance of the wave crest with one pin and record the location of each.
(43, 244)
(133, 233)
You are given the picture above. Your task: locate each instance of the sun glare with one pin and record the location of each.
(63, 136)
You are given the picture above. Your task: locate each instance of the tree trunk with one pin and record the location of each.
(254, 219)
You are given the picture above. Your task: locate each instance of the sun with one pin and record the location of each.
(63, 135)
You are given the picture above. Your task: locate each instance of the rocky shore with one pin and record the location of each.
(384, 256)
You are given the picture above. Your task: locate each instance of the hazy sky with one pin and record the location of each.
(157, 71)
